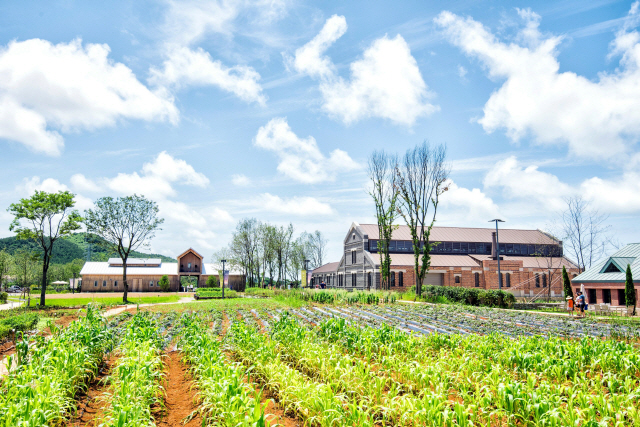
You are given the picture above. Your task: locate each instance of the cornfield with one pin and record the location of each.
(362, 364)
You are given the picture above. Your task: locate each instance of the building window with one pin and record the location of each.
(401, 279)
(592, 296)
(95, 284)
(354, 236)
(353, 280)
(353, 257)
(537, 280)
(392, 279)
(606, 296)
(457, 279)
(104, 283)
(508, 283)
(622, 299)
(477, 279)
(189, 265)
(115, 284)
(340, 280)
(369, 280)
(544, 280)
(151, 284)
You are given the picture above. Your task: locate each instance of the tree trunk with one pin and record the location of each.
(124, 282)
(43, 287)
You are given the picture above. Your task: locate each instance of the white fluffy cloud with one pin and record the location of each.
(302, 206)
(597, 119)
(157, 177)
(46, 89)
(300, 158)
(386, 82)
(189, 21)
(184, 66)
(467, 205)
(518, 181)
(240, 180)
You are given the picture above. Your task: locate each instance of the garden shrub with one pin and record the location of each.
(470, 296)
(164, 283)
(3, 297)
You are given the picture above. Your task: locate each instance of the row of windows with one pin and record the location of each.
(115, 283)
(402, 246)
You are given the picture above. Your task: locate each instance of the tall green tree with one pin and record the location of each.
(5, 266)
(568, 290)
(125, 224)
(629, 290)
(384, 191)
(25, 265)
(422, 178)
(45, 217)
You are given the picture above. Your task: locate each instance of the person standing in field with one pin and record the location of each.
(570, 305)
(580, 300)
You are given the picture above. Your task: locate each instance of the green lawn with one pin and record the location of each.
(72, 302)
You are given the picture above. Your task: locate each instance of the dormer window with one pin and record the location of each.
(354, 236)
(612, 268)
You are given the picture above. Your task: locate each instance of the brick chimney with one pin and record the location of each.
(494, 246)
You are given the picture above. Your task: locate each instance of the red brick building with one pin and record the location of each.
(531, 261)
(604, 282)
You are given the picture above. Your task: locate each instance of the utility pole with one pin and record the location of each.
(498, 252)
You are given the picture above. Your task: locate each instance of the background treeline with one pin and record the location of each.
(269, 254)
(24, 268)
(76, 246)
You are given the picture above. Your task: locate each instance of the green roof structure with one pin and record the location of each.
(612, 269)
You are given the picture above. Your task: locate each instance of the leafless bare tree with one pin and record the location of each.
(315, 247)
(549, 257)
(585, 232)
(383, 176)
(422, 179)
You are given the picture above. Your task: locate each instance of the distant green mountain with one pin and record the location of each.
(76, 246)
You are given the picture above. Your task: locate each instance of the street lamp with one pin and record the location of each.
(498, 252)
(222, 284)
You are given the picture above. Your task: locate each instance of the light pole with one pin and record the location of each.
(222, 284)
(498, 252)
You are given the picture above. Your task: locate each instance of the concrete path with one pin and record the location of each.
(121, 308)
(10, 304)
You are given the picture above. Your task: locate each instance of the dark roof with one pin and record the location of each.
(462, 234)
(330, 267)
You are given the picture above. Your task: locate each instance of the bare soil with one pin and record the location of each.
(92, 403)
(180, 395)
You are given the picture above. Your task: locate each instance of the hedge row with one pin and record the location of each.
(471, 296)
(19, 323)
(214, 293)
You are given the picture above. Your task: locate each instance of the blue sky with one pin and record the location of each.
(222, 110)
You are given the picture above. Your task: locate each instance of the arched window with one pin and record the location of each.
(508, 282)
(95, 283)
(476, 277)
(151, 283)
(537, 280)
(401, 279)
(104, 283)
(544, 280)
(457, 279)
(115, 284)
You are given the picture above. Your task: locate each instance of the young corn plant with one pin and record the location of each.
(46, 374)
(226, 400)
(135, 382)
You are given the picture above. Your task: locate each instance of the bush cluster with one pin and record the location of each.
(19, 323)
(470, 296)
(214, 293)
(3, 297)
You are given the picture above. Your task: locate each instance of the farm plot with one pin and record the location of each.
(354, 365)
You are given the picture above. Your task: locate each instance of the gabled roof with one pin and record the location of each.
(190, 250)
(464, 234)
(329, 267)
(629, 255)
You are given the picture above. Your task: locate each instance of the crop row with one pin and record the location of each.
(45, 375)
(225, 399)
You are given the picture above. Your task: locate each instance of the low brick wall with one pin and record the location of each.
(534, 306)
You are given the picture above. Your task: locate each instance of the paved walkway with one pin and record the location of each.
(121, 308)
